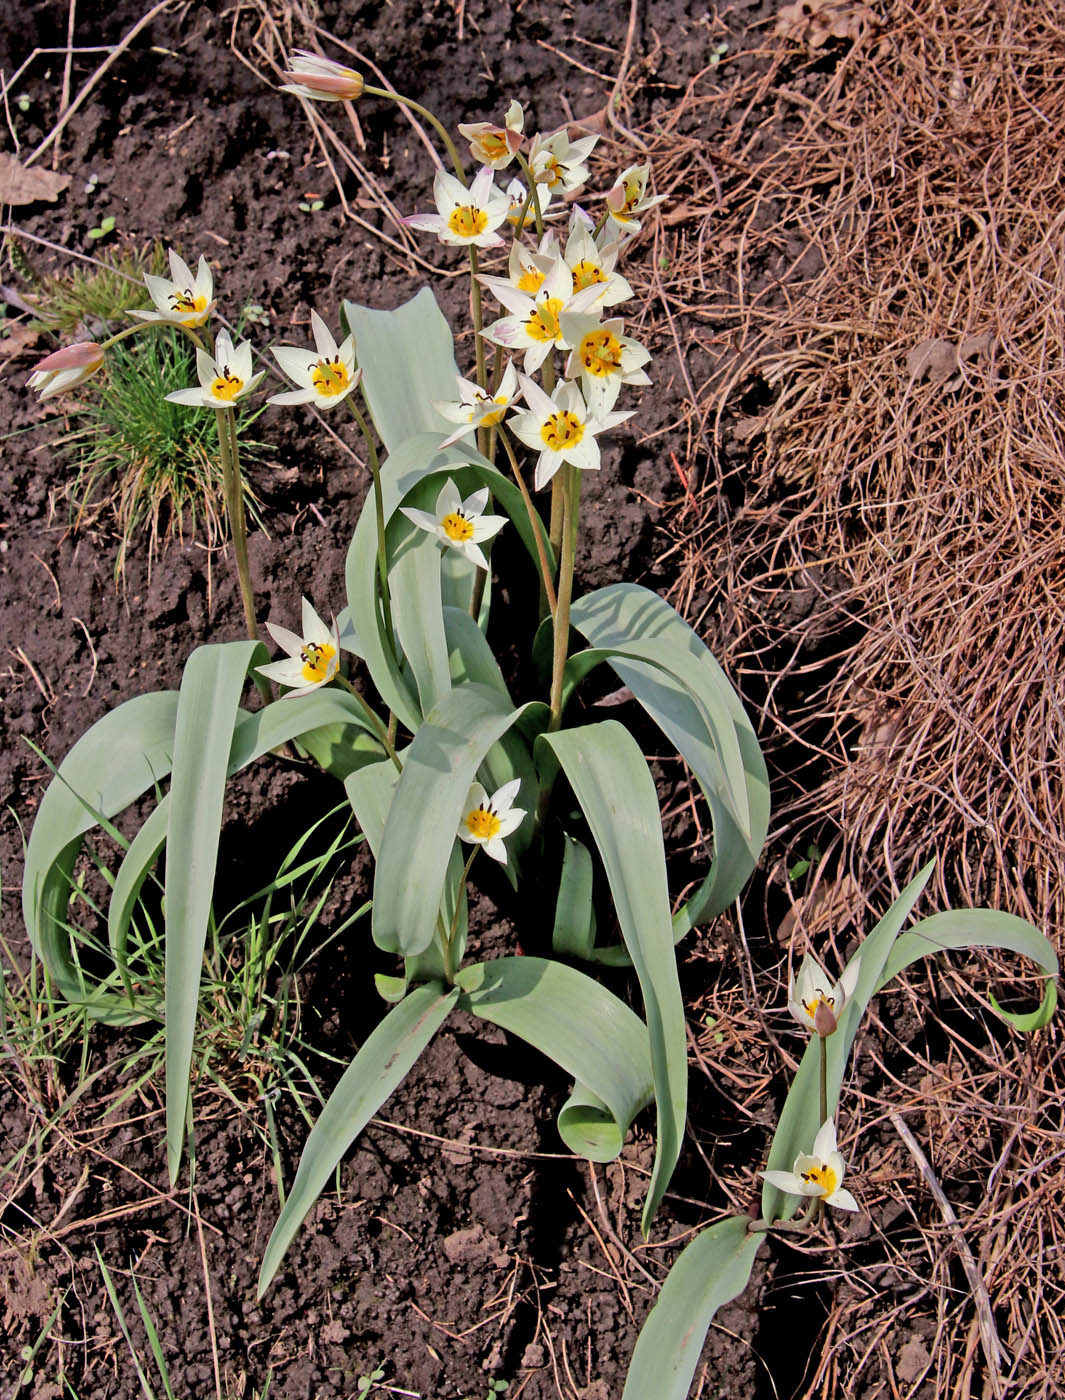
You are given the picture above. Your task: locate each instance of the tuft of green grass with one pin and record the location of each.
(102, 291)
(151, 465)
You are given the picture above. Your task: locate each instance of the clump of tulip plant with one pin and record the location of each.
(400, 696)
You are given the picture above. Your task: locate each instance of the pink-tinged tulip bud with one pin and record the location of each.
(825, 1021)
(321, 79)
(65, 368)
(85, 354)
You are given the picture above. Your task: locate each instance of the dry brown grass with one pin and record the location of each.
(866, 279)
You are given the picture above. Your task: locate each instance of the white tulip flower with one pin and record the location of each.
(183, 301)
(486, 820)
(459, 524)
(819, 1173)
(326, 375)
(224, 378)
(312, 659)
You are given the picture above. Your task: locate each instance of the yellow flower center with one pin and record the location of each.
(562, 430)
(600, 353)
(457, 527)
(316, 657)
(810, 1007)
(530, 281)
(330, 377)
(586, 274)
(493, 144)
(823, 1177)
(189, 301)
(633, 188)
(482, 823)
(227, 386)
(467, 221)
(552, 175)
(495, 415)
(542, 324)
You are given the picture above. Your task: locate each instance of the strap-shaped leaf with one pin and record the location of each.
(584, 1028)
(423, 818)
(370, 792)
(617, 794)
(800, 1117)
(884, 954)
(574, 931)
(710, 1272)
(120, 757)
(384, 1060)
(410, 465)
(676, 679)
(980, 928)
(407, 359)
(208, 705)
(299, 717)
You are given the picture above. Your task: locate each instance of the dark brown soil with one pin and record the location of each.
(464, 1244)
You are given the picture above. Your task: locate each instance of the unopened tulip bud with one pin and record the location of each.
(321, 79)
(65, 368)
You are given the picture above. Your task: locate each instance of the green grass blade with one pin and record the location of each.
(584, 1028)
(710, 1272)
(208, 707)
(120, 757)
(423, 819)
(382, 1063)
(614, 786)
(112, 1293)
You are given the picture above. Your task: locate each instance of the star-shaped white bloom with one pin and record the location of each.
(534, 324)
(629, 197)
(224, 378)
(603, 358)
(496, 146)
(594, 266)
(464, 216)
(312, 659)
(517, 193)
(812, 999)
(560, 428)
(486, 820)
(64, 369)
(819, 1173)
(558, 162)
(477, 408)
(321, 79)
(183, 301)
(459, 524)
(326, 375)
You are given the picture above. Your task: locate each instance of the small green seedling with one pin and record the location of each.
(367, 1383)
(312, 206)
(813, 855)
(104, 227)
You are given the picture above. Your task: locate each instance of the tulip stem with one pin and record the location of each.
(375, 724)
(571, 486)
(449, 937)
(233, 493)
(478, 321)
(824, 1078)
(434, 122)
(534, 522)
(379, 506)
(534, 194)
